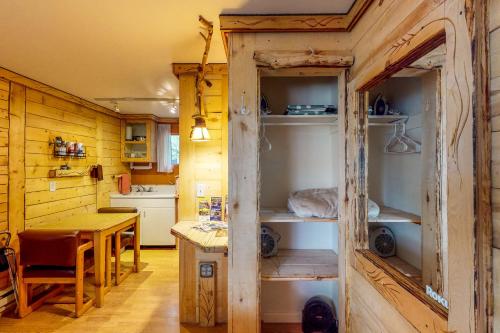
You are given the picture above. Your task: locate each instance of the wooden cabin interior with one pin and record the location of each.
(250, 166)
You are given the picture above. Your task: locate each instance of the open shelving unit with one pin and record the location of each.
(300, 265)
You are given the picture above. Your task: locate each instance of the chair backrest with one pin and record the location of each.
(49, 248)
(109, 210)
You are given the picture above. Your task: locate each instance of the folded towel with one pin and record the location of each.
(124, 183)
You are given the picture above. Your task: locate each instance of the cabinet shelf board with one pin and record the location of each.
(392, 215)
(300, 265)
(282, 215)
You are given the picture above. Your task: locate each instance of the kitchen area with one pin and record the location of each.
(178, 184)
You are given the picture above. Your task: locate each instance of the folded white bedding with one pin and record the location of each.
(322, 203)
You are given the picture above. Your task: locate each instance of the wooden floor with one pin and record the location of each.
(144, 303)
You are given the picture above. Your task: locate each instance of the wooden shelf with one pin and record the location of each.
(282, 215)
(300, 265)
(290, 120)
(392, 215)
(405, 268)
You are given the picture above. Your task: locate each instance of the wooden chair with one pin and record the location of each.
(52, 257)
(122, 239)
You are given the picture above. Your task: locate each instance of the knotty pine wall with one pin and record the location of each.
(4, 151)
(29, 120)
(48, 117)
(494, 57)
(202, 162)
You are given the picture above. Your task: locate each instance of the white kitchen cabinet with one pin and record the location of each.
(157, 212)
(155, 226)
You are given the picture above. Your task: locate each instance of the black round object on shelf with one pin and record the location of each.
(319, 316)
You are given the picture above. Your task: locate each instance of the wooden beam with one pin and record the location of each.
(482, 168)
(17, 119)
(305, 58)
(402, 292)
(244, 229)
(293, 23)
(36, 85)
(192, 68)
(301, 22)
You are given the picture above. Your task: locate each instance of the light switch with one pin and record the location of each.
(200, 190)
(52, 186)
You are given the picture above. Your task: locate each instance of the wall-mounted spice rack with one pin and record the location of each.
(70, 149)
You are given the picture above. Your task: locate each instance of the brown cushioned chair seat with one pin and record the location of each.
(49, 271)
(49, 248)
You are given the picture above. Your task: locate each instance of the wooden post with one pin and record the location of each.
(17, 117)
(244, 231)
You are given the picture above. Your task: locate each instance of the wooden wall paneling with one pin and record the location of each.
(202, 162)
(4, 151)
(207, 294)
(432, 256)
(187, 186)
(244, 252)
(496, 289)
(371, 312)
(187, 282)
(494, 104)
(482, 167)
(460, 169)
(343, 291)
(17, 121)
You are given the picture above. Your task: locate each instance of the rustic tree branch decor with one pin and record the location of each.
(307, 58)
(200, 78)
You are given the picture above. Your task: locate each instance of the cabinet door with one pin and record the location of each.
(155, 226)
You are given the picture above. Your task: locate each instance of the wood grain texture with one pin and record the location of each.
(17, 115)
(244, 284)
(207, 295)
(306, 58)
(407, 297)
(202, 162)
(214, 241)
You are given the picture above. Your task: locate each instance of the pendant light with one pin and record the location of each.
(199, 132)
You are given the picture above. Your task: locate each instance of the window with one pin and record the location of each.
(174, 149)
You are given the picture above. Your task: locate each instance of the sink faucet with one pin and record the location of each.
(141, 188)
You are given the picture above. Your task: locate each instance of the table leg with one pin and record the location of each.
(99, 267)
(137, 243)
(108, 264)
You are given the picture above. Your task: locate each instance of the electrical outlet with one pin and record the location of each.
(200, 190)
(52, 186)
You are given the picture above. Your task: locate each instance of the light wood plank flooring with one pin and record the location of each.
(144, 303)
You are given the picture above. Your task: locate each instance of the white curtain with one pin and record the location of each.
(163, 149)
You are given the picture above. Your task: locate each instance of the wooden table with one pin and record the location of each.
(211, 242)
(99, 227)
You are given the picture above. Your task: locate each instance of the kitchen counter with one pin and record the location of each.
(144, 195)
(211, 242)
